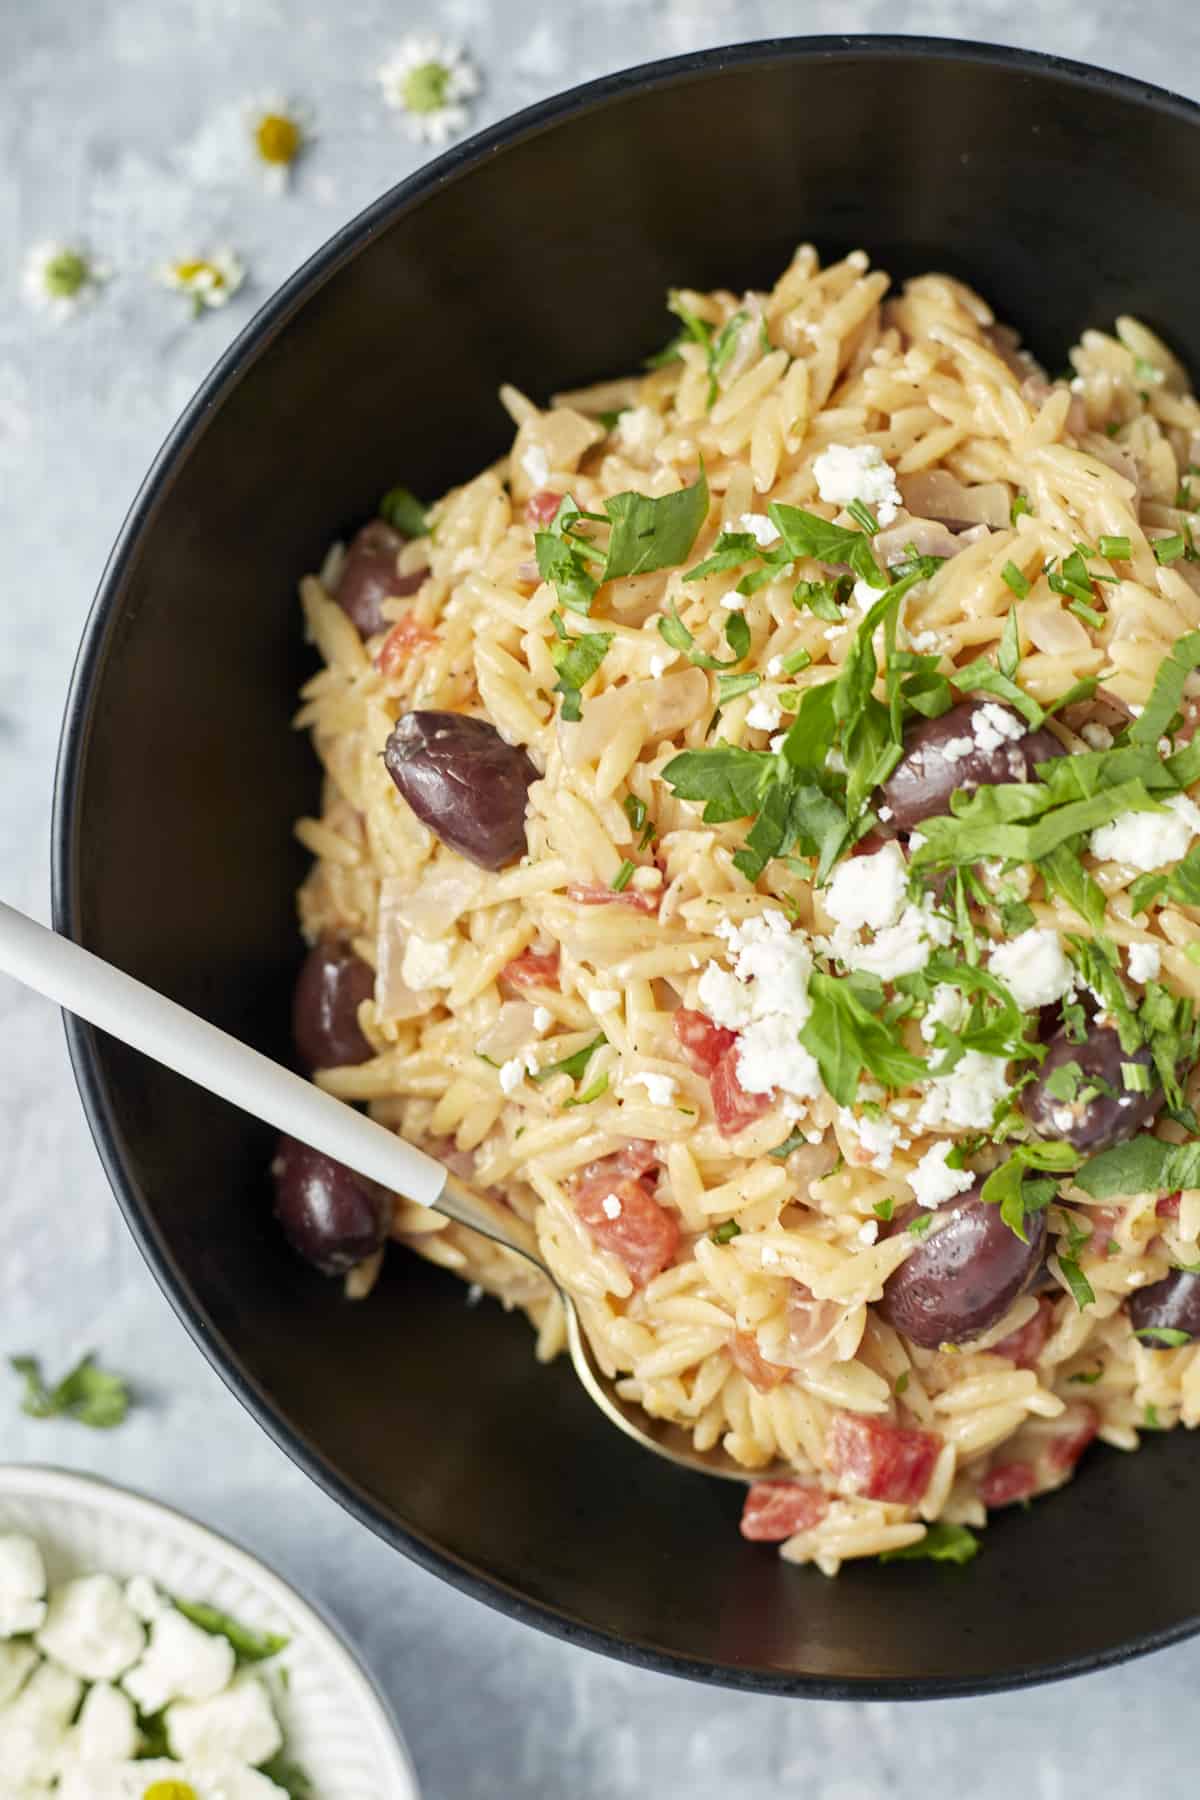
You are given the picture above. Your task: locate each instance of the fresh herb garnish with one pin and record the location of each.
(574, 1065)
(674, 632)
(1018, 582)
(723, 1233)
(576, 660)
(289, 1776)
(403, 512)
(792, 1141)
(1167, 1337)
(1116, 549)
(250, 1646)
(883, 1209)
(1166, 696)
(592, 1092)
(1077, 1281)
(88, 1394)
(1016, 1196)
(845, 1037)
(941, 1543)
(622, 877)
(646, 533)
(1169, 549)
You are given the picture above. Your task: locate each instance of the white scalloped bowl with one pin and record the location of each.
(337, 1725)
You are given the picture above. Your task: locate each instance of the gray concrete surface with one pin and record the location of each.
(106, 111)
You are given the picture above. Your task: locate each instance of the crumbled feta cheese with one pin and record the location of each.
(512, 1074)
(863, 596)
(658, 666)
(604, 999)
(868, 1232)
(968, 1096)
(610, 1206)
(899, 949)
(536, 465)
(1145, 961)
(426, 962)
(956, 748)
(765, 713)
(1062, 1118)
(22, 1585)
(145, 1599)
(1034, 968)
(238, 1724)
(1096, 736)
(661, 1089)
(770, 1256)
(724, 998)
(733, 601)
(846, 472)
(1149, 840)
(759, 527)
(868, 890)
(91, 1629)
(878, 1138)
(835, 762)
(770, 1055)
(948, 1006)
(543, 1018)
(639, 429)
(993, 725)
(932, 1182)
(885, 813)
(182, 1662)
(926, 641)
(775, 667)
(776, 960)
(106, 1729)
(16, 1660)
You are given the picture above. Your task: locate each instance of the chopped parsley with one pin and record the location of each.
(645, 534)
(941, 1543)
(88, 1394)
(674, 632)
(622, 877)
(846, 1037)
(723, 1233)
(576, 660)
(1017, 1196)
(1077, 1281)
(1018, 582)
(791, 1142)
(1116, 549)
(574, 1065)
(1164, 1337)
(593, 1092)
(883, 1209)
(731, 687)
(404, 512)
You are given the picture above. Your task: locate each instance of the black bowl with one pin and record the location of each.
(540, 253)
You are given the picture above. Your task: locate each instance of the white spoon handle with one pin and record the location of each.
(92, 988)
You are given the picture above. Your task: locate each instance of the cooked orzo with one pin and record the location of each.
(756, 844)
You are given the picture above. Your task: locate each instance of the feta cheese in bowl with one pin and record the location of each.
(142, 1657)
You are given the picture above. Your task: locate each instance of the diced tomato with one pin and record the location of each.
(541, 507)
(734, 1107)
(1106, 1221)
(643, 1234)
(635, 1160)
(746, 1357)
(1026, 1344)
(1008, 1482)
(1073, 1433)
(1168, 1206)
(702, 1042)
(532, 968)
(406, 637)
(881, 1461)
(775, 1510)
(594, 893)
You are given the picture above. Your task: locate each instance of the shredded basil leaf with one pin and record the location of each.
(1077, 1281)
(1019, 583)
(576, 660)
(1144, 1165)
(723, 1233)
(1166, 695)
(622, 877)
(1167, 1337)
(250, 1646)
(574, 1066)
(649, 534)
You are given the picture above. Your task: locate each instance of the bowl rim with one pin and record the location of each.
(46, 1481)
(247, 347)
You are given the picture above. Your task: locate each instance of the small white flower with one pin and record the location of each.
(209, 281)
(60, 278)
(279, 130)
(429, 80)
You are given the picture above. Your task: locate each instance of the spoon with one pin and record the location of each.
(103, 995)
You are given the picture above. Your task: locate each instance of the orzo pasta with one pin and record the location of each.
(756, 845)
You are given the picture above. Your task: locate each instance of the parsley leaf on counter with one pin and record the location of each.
(941, 1543)
(250, 1646)
(88, 1394)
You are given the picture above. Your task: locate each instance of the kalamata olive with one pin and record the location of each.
(369, 577)
(980, 755)
(963, 1276)
(464, 782)
(1172, 1304)
(1107, 1118)
(329, 989)
(331, 1216)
